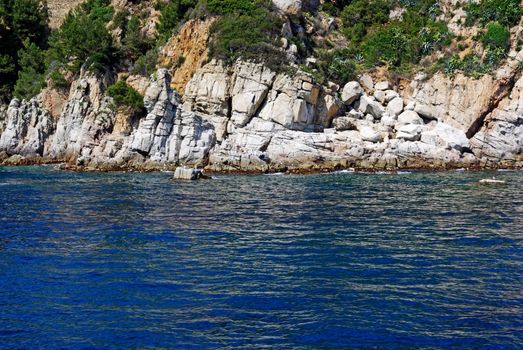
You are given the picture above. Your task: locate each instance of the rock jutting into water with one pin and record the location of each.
(248, 118)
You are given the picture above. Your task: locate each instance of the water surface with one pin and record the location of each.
(416, 260)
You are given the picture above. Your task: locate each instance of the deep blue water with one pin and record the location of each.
(135, 261)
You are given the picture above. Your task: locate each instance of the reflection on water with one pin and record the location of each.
(421, 260)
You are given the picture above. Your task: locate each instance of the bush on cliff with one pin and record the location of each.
(246, 29)
(506, 12)
(496, 36)
(31, 77)
(125, 96)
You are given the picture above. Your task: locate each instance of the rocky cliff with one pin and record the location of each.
(248, 117)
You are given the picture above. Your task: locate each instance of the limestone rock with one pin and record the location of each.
(371, 106)
(294, 7)
(395, 107)
(367, 82)
(161, 103)
(369, 134)
(409, 132)
(445, 136)
(409, 117)
(250, 89)
(182, 173)
(382, 86)
(27, 127)
(351, 92)
(344, 123)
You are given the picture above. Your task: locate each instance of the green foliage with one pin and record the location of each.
(338, 66)
(146, 64)
(125, 96)
(471, 65)
(134, 43)
(31, 77)
(223, 7)
(401, 43)
(20, 21)
(496, 36)
(360, 15)
(506, 12)
(231, 39)
(58, 80)
(83, 39)
(390, 46)
(171, 14)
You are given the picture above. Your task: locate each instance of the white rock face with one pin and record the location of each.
(245, 117)
(371, 106)
(369, 134)
(409, 117)
(395, 107)
(351, 92)
(161, 104)
(250, 88)
(27, 128)
(445, 136)
(409, 132)
(296, 6)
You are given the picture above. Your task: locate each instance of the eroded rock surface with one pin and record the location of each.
(245, 117)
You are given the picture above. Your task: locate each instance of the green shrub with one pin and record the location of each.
(390, 46)
(20, 21)
(31, 77)
(146, 64)
(83, 39)
(245, 7)
(248, 35)
(360, 15)
(506, 12)
(170, 16)
(125, 96)
(58, 80)
(496, 36)
(134, 43)
(471, 65)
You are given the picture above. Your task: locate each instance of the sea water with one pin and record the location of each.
(345, 260)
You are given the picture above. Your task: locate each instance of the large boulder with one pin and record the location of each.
(351, 92)
(409, 117)
(293, 7)
(395, 107)
(446, 136)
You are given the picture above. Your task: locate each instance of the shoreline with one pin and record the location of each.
(306, 169)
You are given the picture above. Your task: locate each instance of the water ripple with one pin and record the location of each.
(341, 260)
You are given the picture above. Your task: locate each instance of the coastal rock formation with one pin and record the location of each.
(247, 117)
(27, 127)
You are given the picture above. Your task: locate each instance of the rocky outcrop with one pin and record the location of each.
(293, 7)
(246, 117)
(27, 127)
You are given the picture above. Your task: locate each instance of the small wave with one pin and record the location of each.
(460, 170)
(274, 174)
(404, 172)
(10, 183)
(345, 171)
